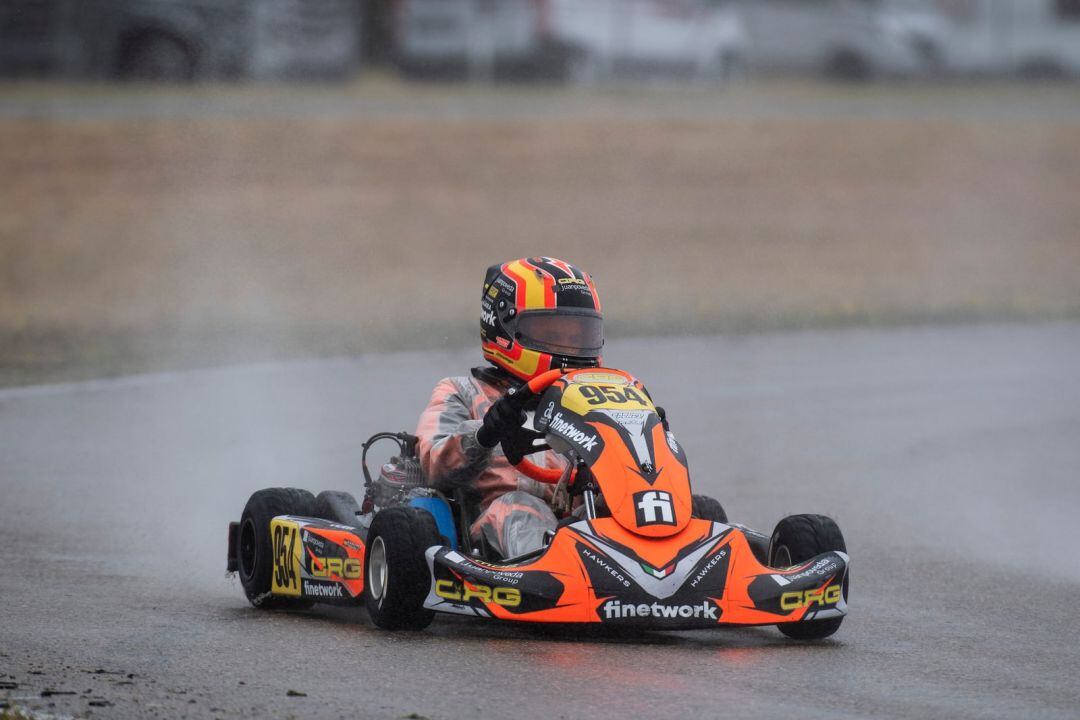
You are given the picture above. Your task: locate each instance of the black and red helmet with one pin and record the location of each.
(540, 313)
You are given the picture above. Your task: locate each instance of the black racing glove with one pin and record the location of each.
(522, 442)
(502, 424)
(501, 419)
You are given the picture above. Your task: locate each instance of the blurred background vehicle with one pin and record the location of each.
(576, 40)
(853, 39)
(580, 41)
(179, 40)
(1030, 37)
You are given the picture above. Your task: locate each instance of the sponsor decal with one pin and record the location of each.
(492, 291)
(617, 610)
(464, 592)
(572, 284)
(548, 412)
(713, 561)
(328, 567)
(487, 317)
(825, 566)
(314, 589)
(599, 378)
(654, 507)
(628, 417)
(498, 577)
(315, 542)
(607, 567)
(505, 284)
(805, 598)
(286, 575)
(573, 433)
(351, 545)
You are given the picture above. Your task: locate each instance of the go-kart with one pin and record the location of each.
(638, 550)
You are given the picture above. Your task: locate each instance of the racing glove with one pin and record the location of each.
(502, 424)
(521, 442)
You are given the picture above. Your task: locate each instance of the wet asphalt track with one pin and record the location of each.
(949, 456)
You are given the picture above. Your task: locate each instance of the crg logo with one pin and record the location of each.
(654, 507)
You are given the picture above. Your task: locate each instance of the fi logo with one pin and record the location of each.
(654, 507)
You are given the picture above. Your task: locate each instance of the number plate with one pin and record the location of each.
(581, 398)
(285, 537)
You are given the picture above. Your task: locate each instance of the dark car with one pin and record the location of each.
(178, 40)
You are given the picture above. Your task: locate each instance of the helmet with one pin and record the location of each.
(538, 314)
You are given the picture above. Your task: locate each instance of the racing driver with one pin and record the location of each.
(537, 314)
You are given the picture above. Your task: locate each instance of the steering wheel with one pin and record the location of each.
(520, 397)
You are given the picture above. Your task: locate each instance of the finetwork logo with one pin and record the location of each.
(617, 610)
(571, 432)
(654, 507)
(322, 590)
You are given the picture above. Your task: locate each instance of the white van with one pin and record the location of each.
(848, 38)
(1008, 36)
(580, 40)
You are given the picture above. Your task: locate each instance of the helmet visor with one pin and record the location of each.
(562, 332)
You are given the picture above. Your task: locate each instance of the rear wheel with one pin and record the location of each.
(255, 553)
(796, 539)
(337, 506)
(397, 579)
(707, 508)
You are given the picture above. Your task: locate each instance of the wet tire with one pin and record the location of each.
(706, 508)
(337, 506)
(796, 539)
(396, 576)
(255, 551)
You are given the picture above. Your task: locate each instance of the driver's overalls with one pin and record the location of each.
(514, 508)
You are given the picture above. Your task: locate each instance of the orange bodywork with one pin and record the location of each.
(747, 593)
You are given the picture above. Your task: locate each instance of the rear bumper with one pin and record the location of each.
(232, 562)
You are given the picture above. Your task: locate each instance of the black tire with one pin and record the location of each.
(396, 576)
(707, 508)
(796, 539)
(156, 56)
(255, 552)
(337, 506)
(848, 66)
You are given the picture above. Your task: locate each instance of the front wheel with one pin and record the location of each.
(796, 539)
(397, 579)
(707, 508)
